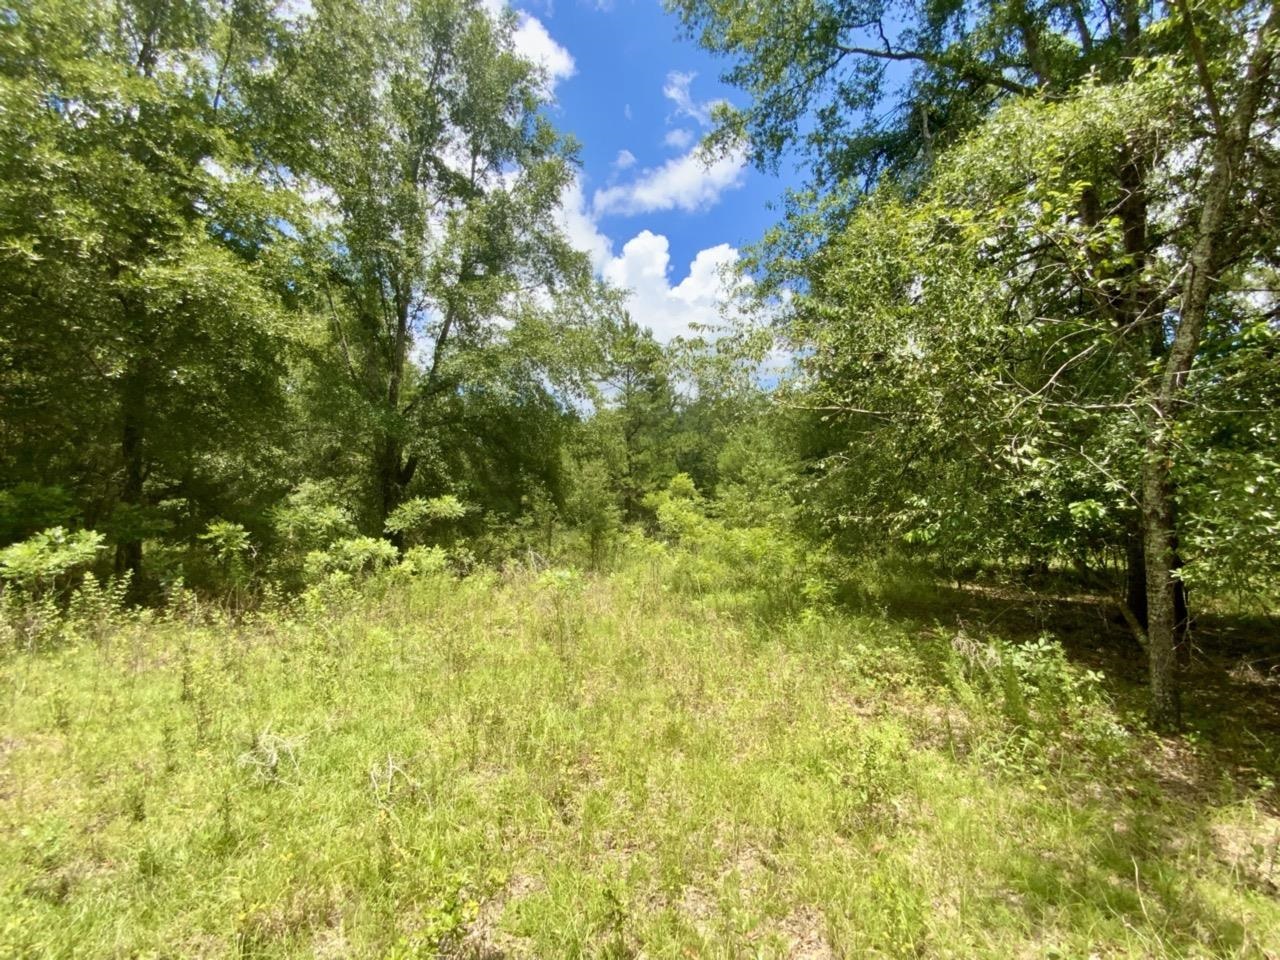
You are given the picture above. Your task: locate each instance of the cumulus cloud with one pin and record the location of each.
(533, 42)
(625, 160)
(686, 183)
(643, 269)
(580, 227)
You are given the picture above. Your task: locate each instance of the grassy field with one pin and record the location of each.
(570, 766)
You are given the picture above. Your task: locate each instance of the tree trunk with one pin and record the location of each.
(1135, 576)
(392, 473)
(133, 412)
(1181, 612)
(1158, 542)
(1231, 138)
(1181, 616)
(390, 491)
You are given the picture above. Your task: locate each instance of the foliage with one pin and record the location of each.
(593, 506)
(287, 306)
(49, 559)
(228, 541)
(27, 508)
(432, 248)
(1016, 291)
(412, 518)
(774, 571)
(424, 561)
(232, 552)
(142, 323)
(351, 556)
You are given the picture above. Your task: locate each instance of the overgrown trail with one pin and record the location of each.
(571, 766)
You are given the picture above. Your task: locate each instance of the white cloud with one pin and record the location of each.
(670, 311)
(581, 229)
(686, 183)
(706, 279)
(533, 42)
(643, 270)
(625, 160)
(680, 138)
(676, 89)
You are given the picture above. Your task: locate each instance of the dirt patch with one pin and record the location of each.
(1252, 849)
(805, 933)
(485, 939)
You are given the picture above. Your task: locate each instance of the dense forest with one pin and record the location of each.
(294, 346)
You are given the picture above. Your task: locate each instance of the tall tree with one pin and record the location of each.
(441, 273)
(641, 409)
(135, 245)
(1127, 230)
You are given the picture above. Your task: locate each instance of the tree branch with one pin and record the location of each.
(1202, 65)
(969, 71)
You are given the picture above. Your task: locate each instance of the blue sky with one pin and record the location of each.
(637, 94)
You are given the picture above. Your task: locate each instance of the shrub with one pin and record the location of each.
(424, 561)
(411, 520)
(768, 567)
(49, 560)
(353, 556)
(232, 550)
(1043, 706)
(310, 519)
(27, 508)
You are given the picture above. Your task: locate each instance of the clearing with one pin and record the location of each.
(574, 766)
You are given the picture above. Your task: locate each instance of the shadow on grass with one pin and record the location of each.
(1231, 689)
(1144, 871)
(1180, 803)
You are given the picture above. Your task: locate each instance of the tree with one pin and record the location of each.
(139, 294)
(1117, 219)
(441, 276)
(642, 410)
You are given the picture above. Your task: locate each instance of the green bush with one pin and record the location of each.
(354, 556)
(27, 508)
(769, 569)
(310, 519)
(413, 518)
(48, 561)
(1037, 707)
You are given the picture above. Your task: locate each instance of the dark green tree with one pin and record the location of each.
(140, 321)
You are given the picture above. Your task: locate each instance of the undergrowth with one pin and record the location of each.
(671, 760)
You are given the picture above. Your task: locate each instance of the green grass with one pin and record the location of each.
(591, 767)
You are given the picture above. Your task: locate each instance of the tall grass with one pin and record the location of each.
(565, 765)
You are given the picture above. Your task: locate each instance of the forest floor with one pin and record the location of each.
(566, 766)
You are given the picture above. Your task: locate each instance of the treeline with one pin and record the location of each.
(271, 282)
